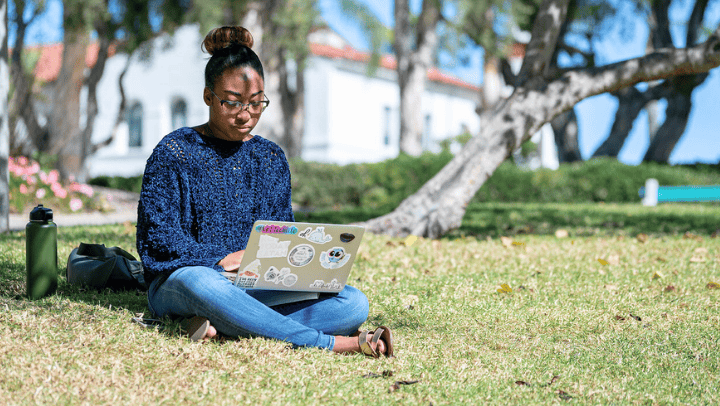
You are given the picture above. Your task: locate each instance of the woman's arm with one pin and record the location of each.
(164, 230)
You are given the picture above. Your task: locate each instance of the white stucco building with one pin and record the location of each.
(349, 115)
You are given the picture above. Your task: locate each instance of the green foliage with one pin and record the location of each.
(372, 186)
(291, 25)
(383, 185)
(378, 34)
(597, 180)
(130, 184)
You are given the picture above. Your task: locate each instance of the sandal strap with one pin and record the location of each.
(365, 347)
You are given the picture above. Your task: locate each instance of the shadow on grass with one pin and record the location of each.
(13, 273)
(497, 219)
(586, 219)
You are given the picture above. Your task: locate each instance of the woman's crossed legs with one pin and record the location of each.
(202, 291)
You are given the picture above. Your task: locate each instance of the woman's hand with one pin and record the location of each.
(232, 261)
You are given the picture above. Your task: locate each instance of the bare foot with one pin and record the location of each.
(211, 333)
(198, 328)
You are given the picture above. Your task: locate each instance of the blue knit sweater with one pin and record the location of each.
(200, 197)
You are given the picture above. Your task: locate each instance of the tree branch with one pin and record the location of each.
(695, 23)
(545, 35)
(576, 85)
(121, 110)
(660, 24)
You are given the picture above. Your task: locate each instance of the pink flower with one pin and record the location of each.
(87, 190)
(58, 190)
(34, 168)
(23, 189)
(76, 204)
(40, 193)
(44, 178)
(12, 167)
(22, 161)
(53, 176)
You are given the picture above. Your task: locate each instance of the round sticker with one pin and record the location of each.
(289, 279)
(301, 255)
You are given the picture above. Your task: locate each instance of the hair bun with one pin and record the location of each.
(222, 38)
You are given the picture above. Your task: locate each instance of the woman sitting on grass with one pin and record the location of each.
(203, 189)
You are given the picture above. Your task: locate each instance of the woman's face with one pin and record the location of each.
(243, 85)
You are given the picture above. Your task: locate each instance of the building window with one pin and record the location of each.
(135, 123)
(386, 124)
(178, 112)
(426, 132)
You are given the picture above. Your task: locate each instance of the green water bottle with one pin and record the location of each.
(41, 253)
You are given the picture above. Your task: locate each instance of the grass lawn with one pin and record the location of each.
(602, 315)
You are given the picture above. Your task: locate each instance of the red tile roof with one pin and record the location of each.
(387, 62)
(48, 66)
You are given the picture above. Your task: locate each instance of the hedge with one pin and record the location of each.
(381, 186)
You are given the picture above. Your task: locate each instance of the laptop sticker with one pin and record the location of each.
(283, 276)
(276, 229)
(271, 247)
(249, 275)
(334, 258)
(301, 255)
(347, 237)
(317, 236)
(319, 284)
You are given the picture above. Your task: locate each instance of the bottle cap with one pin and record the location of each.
(41, 213)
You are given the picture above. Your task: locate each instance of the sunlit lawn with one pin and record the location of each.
(600, 316)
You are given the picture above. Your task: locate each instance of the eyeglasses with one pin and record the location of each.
(236, 107)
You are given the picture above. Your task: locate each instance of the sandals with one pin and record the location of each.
(382, 333)
(196, 327)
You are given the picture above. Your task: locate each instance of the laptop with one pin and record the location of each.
(290, 257)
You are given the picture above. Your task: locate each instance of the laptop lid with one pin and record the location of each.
(306, 257)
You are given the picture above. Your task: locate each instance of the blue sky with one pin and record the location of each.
(700, 143)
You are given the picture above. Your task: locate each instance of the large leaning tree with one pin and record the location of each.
(541, 93)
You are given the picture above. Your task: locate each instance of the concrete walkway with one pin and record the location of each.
(19, 221)
(124, 203)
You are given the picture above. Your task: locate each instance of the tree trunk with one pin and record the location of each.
(4, 125)
(676, 118)
(21, 105)
(630, 104)
(291, 101)
(284, 76)
(91, 110)
(414, 58)
(565, 128)
(492, 90)
(439, 205)
(681, 87)
(65, 134)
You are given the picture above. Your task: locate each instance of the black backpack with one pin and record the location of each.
(98, 267)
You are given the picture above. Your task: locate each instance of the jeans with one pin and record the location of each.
(201, 291)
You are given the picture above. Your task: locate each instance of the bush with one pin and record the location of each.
(32, 182)
(374, 186)
(380, 187)
(130, 184)
(597, 180)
